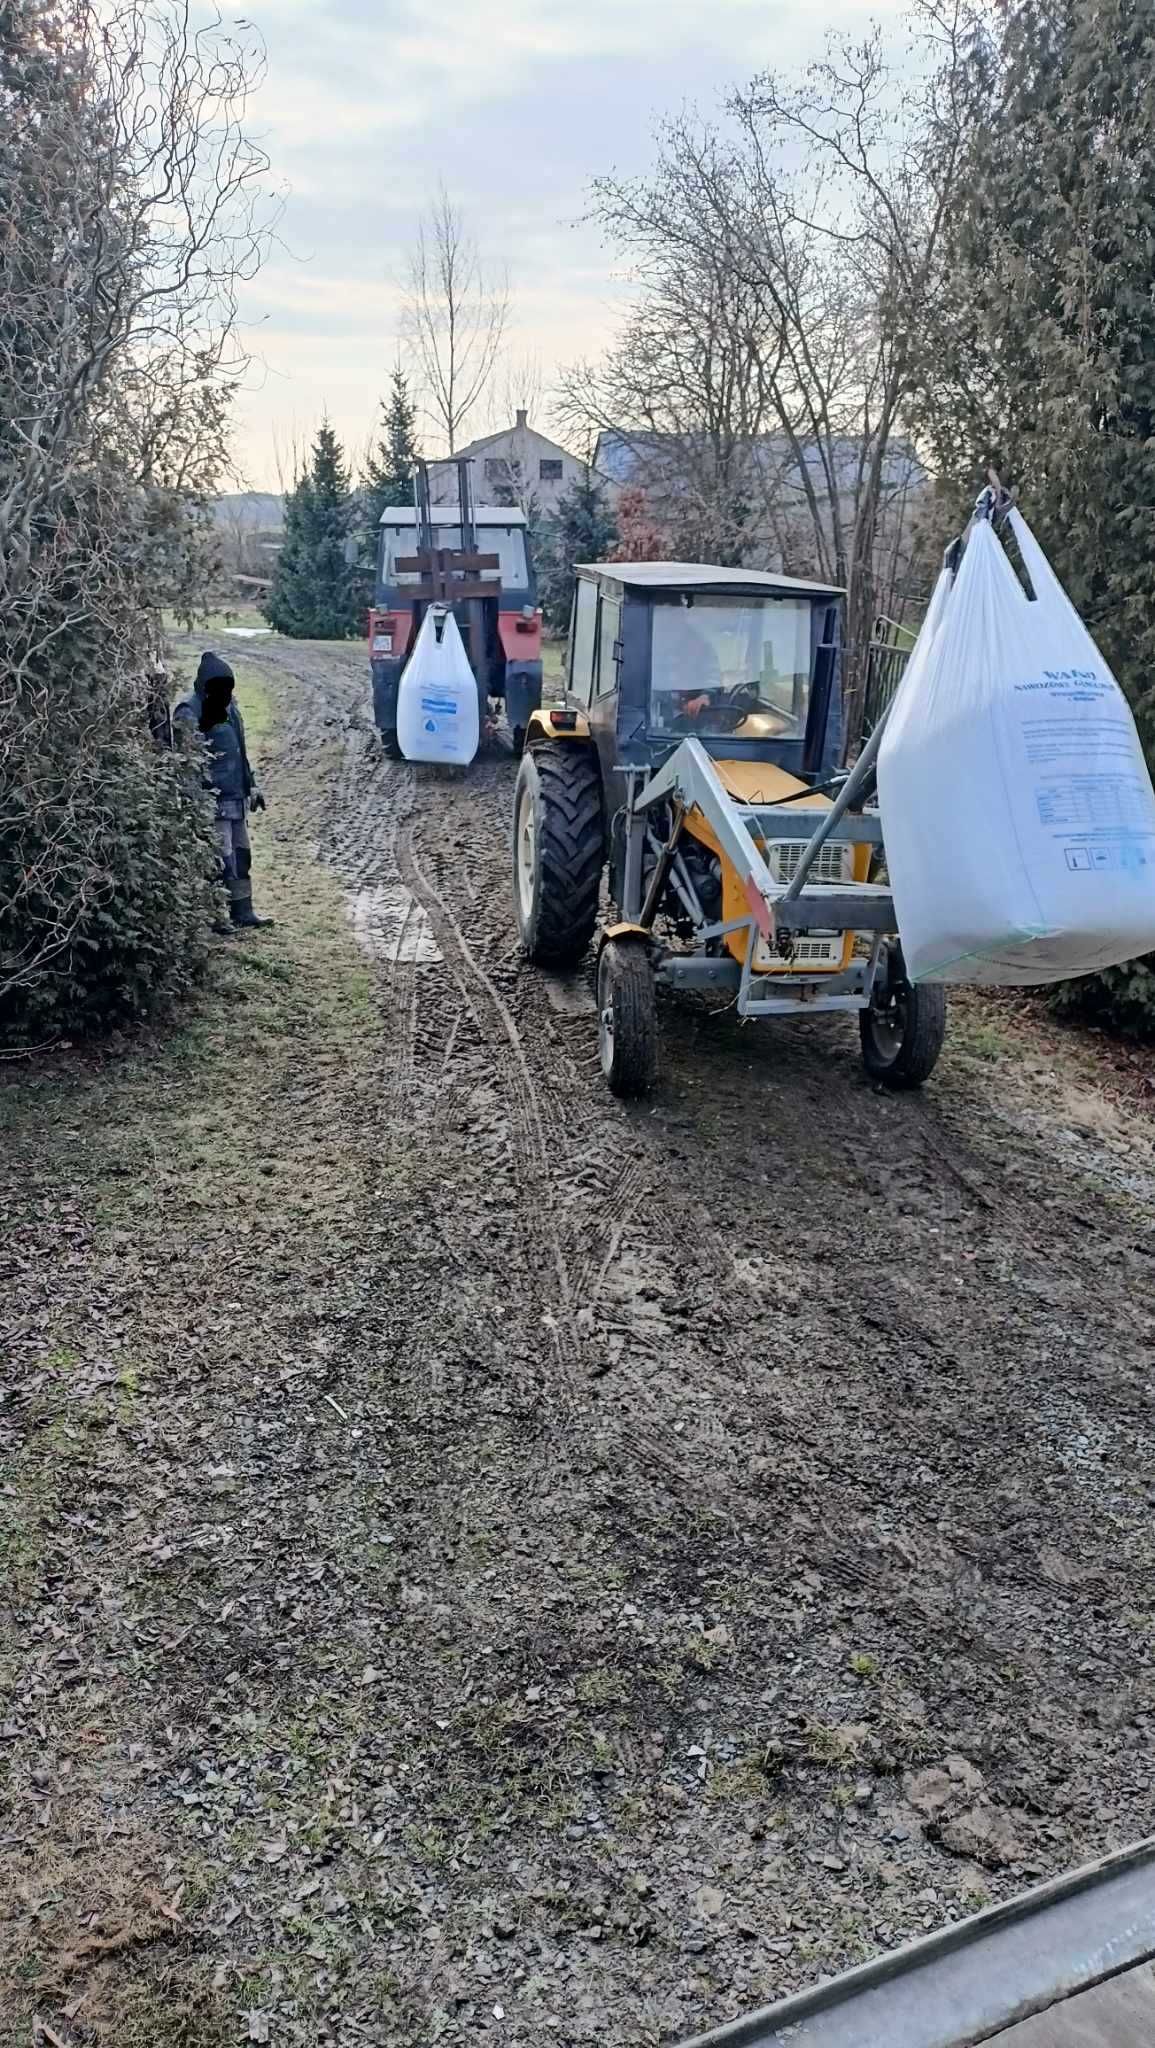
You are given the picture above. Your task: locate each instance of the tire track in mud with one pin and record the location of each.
(578, 1176)
(533, 1167)
(587, 1165)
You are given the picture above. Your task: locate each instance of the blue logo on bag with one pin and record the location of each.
(431, 725)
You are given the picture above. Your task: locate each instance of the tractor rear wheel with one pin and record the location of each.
(558, 852)
(627, 1016)
(902, 1033)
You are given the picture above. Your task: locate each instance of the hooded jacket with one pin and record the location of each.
(228, 768)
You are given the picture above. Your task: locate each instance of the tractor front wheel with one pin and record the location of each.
(558, 852)
(627, 1016)
(903, 1029)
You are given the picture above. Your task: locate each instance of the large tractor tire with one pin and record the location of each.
(902, 1034)
(627, 1016)
(558, 852)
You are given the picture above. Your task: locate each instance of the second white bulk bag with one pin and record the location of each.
(1017, 811)
(438, 715)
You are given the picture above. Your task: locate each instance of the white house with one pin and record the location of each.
(516, 465)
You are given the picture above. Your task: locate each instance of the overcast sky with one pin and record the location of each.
(517, 105)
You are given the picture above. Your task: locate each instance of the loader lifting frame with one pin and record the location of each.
(450, 576)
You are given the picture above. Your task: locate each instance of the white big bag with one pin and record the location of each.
(438, 717)
(1016, 806)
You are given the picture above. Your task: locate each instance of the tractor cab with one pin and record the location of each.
(695, 759)
(744, 662)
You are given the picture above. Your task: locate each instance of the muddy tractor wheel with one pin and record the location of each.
(627, 1017)
(902, 1033)
(391, 745)
(558, 852)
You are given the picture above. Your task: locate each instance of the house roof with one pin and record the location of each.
(687, 576)
(485, 442)
(622, 456)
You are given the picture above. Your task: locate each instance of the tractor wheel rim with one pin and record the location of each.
(605, 1028)
(888, 1028)
(526, 855)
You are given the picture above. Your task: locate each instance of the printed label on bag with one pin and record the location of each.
(1104, 800)
(1079, 684)
(1110, 740)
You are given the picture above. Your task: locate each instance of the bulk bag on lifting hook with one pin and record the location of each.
(438, 713)
(1017, 811)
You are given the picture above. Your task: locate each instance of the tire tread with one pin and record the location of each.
(628, 969)
(570, 851)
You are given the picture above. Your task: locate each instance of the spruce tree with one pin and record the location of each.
(314, 593)
(388, 478)
(583, 529)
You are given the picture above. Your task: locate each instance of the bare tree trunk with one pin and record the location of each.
(455, 316)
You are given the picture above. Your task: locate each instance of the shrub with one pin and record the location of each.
(1121, 999)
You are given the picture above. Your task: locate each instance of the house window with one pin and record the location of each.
(496, 469)
(549, 470)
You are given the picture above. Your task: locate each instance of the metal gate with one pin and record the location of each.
(886, 659)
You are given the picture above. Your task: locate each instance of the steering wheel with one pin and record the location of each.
(731, 705)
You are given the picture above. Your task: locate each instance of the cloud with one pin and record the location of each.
(517, 105)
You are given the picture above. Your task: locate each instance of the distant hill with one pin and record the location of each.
(258, 510)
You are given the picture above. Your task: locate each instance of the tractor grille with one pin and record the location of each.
(811, 949)
(835, 861)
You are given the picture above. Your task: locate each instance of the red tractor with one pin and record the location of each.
(476, 560)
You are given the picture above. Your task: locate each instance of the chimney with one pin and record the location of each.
(520, 421)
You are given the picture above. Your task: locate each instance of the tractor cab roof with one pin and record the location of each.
(685, 578)
(450, 515)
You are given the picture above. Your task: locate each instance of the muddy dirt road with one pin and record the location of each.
(670, 1551)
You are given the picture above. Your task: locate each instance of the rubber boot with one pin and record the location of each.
(245, 918)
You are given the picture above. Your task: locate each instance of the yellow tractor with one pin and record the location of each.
(694, 757)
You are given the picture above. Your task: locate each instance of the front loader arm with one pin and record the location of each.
(690, 780)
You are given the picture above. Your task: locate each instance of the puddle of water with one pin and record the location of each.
(248, 632)
(390, 924)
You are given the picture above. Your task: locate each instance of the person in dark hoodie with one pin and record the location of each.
(210, 710)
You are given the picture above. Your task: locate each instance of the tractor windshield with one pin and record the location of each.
(730, 665)
(506, 542)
